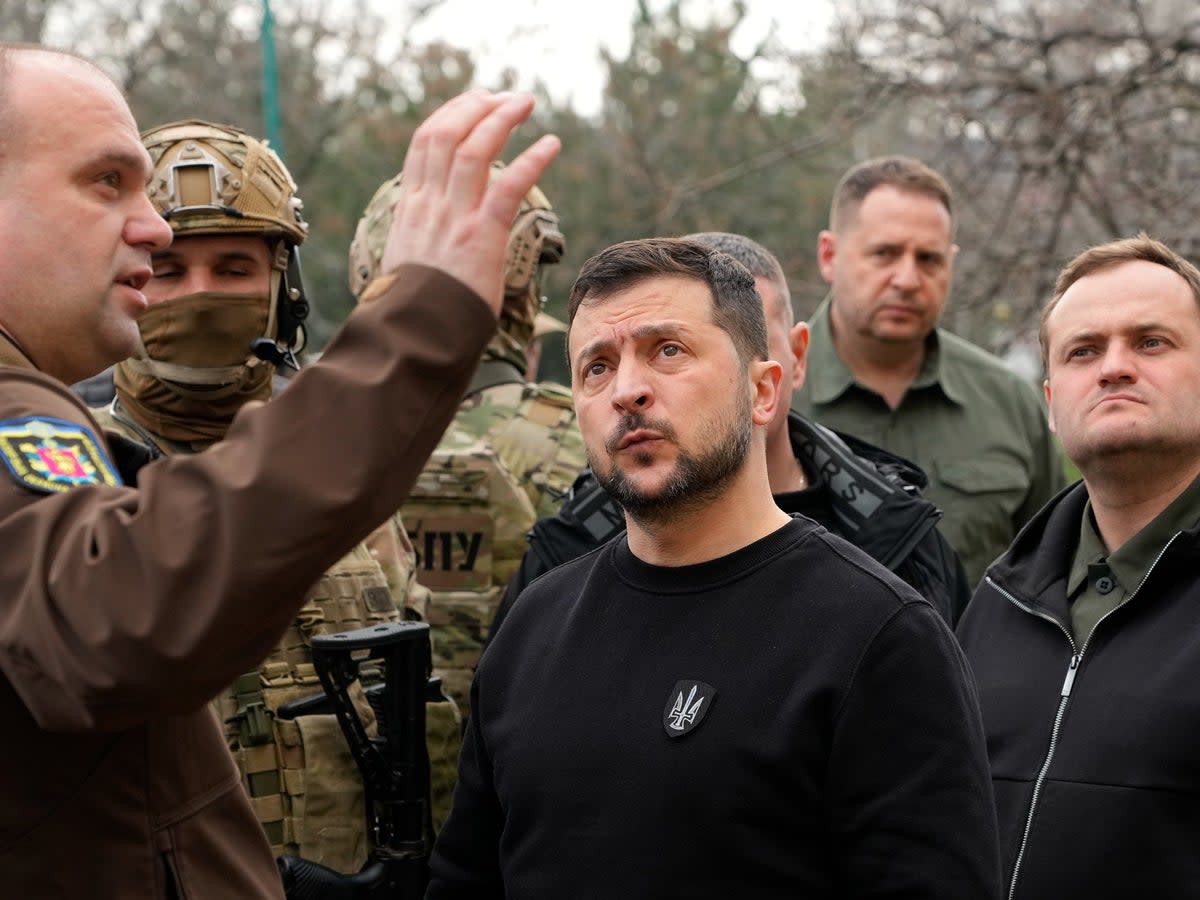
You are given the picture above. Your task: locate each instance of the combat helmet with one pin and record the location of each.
(533, 241)
(217, 179)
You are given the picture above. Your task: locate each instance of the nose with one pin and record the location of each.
(1117, 364)
(196, 279)
(631, 388)
(906, 276)
(146, 228)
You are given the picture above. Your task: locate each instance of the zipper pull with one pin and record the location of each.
(1070, 679)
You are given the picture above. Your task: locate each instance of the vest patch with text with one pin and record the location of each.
(466, 517)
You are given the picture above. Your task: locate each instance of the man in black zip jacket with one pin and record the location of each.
(1085, 635)
(860, 492)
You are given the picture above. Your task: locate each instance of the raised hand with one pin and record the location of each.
(448, 215)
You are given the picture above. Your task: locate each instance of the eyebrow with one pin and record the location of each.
(1091, 335)
(641, 333)
(172, 255)
(127, 159)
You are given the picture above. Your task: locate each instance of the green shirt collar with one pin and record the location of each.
(829, 377)
(1132, 560)
(1090, 551)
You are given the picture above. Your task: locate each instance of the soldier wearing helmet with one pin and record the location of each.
(229, 303)
(216, 180)
(227, 307)
(510, 455)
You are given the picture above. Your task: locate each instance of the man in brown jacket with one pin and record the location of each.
(229, 284)
(123, 609)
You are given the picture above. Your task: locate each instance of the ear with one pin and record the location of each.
(1049, 408)
(826, 250)
(798, 338)
(766, 376)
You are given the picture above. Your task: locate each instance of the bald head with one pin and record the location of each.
(76, 224)
(17, 59)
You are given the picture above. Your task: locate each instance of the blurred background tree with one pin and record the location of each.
(689, 138)
(1058, 125)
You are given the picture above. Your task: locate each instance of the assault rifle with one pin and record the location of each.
(394, 766)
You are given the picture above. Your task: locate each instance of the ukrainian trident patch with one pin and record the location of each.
(51, 455)
(687, 705)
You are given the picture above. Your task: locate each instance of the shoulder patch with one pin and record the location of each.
(52, 455)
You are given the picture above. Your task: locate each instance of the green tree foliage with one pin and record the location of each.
(694, 133)
(24, 20)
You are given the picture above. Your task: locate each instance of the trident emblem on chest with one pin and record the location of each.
(687, 705)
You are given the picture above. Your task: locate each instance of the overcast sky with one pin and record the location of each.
(559, 42)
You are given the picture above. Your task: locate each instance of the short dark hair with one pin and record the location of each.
(737, 306)
(1142, 248)
(901, 172)
(760, 261)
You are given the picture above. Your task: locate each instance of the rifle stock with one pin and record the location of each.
(394, 765)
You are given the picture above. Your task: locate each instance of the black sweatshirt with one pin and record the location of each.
(838, 750)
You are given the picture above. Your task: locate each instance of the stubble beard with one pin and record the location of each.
(695, 480)
(1132, 456)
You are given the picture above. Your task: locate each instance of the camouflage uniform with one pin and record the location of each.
(300, 775)
(510, 455)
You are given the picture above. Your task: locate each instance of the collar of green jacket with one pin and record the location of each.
(1043, 551)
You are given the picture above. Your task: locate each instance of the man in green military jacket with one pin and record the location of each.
(881, 369)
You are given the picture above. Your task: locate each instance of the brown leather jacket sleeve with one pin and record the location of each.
(121, 604)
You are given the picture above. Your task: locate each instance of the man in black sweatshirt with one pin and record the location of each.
(858, 491)
(727, 700)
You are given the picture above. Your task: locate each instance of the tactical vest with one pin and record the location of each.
(467, 517)
(512, 452)
(301, 778)
(541, 444)
(531, 428)
(303, 782)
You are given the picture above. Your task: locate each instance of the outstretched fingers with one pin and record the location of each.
(448, 215)
(472, 163)
(435, 142)
(503, 200)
